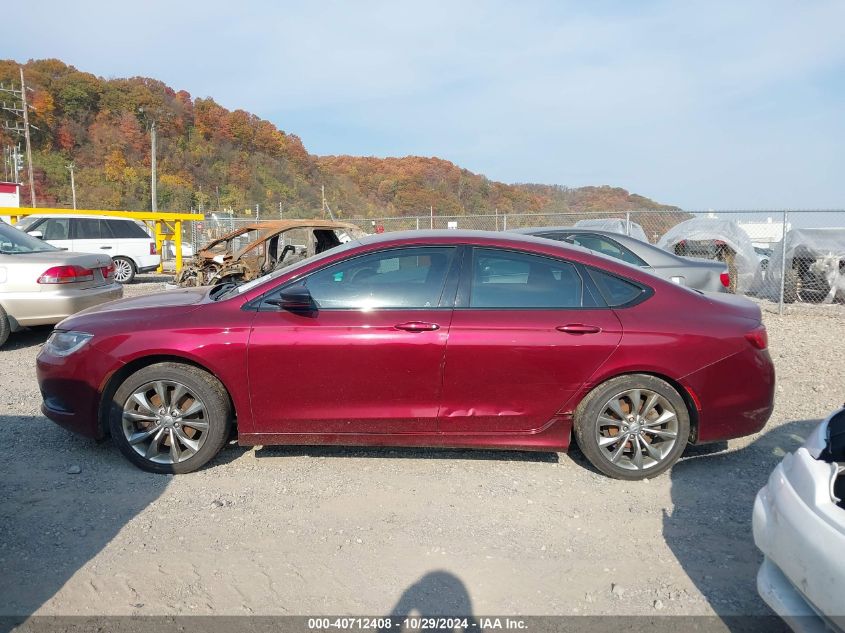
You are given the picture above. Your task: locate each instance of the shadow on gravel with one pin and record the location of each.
(31, 337)
(438, 593)
(709, 530)
(53, 522)
(403, 453)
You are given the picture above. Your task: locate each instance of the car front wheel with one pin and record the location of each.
(632, 427)
(170, 418)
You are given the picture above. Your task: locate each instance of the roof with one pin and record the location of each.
(76, 216)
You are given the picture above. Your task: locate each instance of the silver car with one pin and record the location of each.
(41, 284)
(699, 274)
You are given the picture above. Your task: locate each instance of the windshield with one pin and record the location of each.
(27, 222)
(14, 241)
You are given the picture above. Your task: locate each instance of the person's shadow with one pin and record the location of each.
(709, 528)
(437, 595)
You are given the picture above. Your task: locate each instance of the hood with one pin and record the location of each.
(166, 299)
(141, 308)
(740, 306)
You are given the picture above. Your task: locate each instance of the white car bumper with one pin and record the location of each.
(801, 531)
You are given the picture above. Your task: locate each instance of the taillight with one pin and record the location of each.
(108, 271)
(758, 337)
(725, 278)
(153, 250)
(66, 275)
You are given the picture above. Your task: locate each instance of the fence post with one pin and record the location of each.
(627, 223)
(782, 261)
(418, 223)
(505, 222)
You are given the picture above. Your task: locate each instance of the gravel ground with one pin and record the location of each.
(286, 530)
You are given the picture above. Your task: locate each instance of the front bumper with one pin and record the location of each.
(51, 306)
(71, 388)
(801, 531)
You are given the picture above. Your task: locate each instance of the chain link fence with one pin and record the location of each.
(781, 256)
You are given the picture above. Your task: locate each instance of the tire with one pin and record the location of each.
(5, 327)
(791, 283)
(124, 270)
(596, 425)
(199, 397)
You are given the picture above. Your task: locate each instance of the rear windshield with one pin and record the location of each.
(14, 241)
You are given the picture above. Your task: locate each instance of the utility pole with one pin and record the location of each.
(72, 185)
(28, 144)
(153, 194)
(326, 206)
(22, 112)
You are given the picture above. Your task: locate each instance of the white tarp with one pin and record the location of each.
(822, 250)
(615, 225)
(750, 277)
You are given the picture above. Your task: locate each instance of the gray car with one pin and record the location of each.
(41, 284)
(700, 274)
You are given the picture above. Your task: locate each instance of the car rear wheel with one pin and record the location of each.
(124, 270)
(170, 418)
(632, 427)
(5, 326)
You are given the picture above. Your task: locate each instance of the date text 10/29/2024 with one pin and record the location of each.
(421, 623)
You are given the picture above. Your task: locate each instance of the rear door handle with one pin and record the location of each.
(578, 328)
(105, 248)
(417, 326)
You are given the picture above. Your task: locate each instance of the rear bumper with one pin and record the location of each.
(71, 388)
(729, 410)
(801, 531)
(146, 263)
(51, 306)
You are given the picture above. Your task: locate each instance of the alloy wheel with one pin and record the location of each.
(165, 422)
(637, 429)
(122, 271)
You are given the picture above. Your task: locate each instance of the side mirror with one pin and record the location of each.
(295, 298)
(37, 234)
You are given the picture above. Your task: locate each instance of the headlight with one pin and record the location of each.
(66, 343)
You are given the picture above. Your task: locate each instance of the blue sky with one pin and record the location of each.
(703, 104)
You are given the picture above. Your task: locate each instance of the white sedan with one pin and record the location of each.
(799, 525)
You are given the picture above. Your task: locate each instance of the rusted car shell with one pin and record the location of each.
(224, 260)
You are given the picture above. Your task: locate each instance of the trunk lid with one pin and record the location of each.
(730, 303)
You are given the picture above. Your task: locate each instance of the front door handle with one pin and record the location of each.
(417, 326)
(578, 328)
(105, 248)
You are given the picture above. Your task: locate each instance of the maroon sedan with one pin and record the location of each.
(460, 339)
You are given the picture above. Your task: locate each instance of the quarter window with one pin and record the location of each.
(502, 279)
(126, 229)
(616, 291)
(406, 278)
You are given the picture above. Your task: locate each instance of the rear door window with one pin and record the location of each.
(606, 246)
(90, 229)
(513, 280)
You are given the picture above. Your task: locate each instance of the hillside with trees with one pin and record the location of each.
(216, 159)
